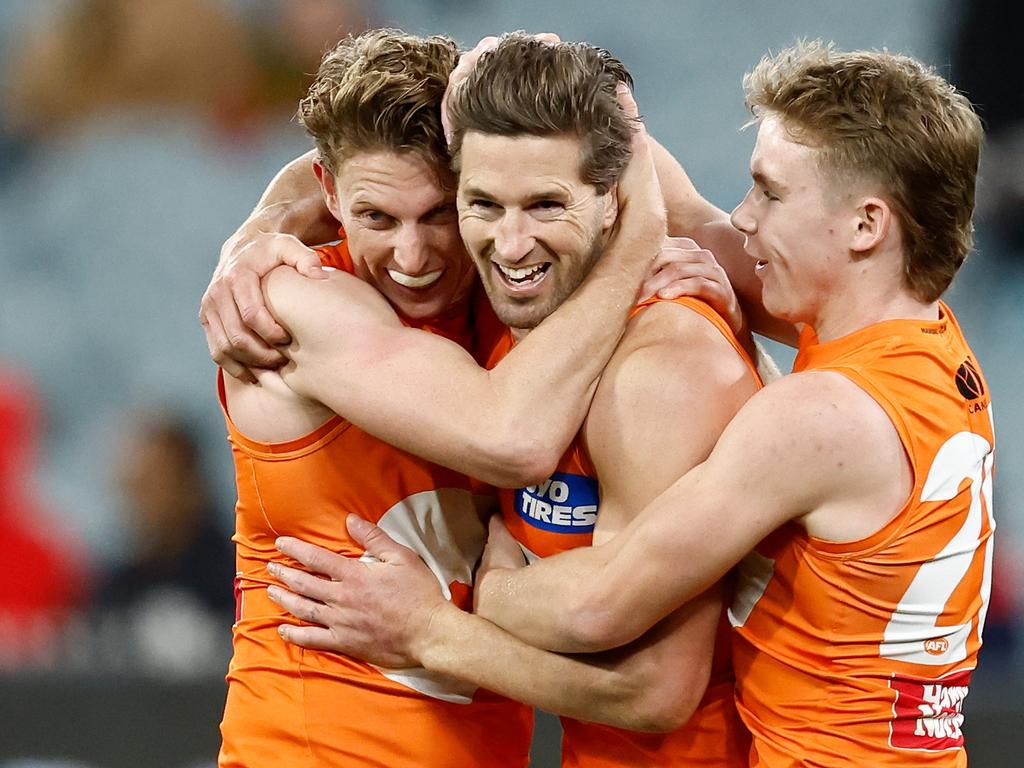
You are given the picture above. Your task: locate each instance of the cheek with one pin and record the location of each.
(474, 233)
(370, 251)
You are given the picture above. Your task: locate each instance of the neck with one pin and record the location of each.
(848, 314)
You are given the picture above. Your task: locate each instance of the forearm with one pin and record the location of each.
(594, 598)
(690, 215)
(470, 648)
(549, 615)
(291, 204)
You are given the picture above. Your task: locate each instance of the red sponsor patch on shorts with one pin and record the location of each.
(927, 714)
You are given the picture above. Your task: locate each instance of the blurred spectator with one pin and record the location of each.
(102, 55)
(189, 56)
(42, 577)
(291, 36)
(173, 599)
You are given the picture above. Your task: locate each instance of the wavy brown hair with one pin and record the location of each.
(381, 90)
(525, 87)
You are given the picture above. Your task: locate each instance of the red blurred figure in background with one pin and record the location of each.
(43, 577)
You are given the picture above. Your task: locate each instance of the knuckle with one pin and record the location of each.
(235, 341)
(248, 313)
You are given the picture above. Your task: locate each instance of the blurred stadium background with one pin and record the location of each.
(134, 136)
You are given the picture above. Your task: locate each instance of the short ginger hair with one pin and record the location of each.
(380, 90)
(886, 118)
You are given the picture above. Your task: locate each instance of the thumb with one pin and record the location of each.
(374, 540)
(306, 262)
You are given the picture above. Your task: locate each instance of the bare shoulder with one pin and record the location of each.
(663, 400)
(826, 450)
(676, 339)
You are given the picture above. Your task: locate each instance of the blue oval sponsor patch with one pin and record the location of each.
(563, 503)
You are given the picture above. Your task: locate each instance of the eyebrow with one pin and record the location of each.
(476, 192)
(764, 180)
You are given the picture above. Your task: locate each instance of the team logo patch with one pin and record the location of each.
(564, 503)
(968, 381)
(927, 714)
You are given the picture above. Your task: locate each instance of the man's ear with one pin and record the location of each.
(327, 186)
(872, 222)
(611, 206)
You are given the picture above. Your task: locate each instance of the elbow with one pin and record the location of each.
(518, 462)
(595, 622)
(660, 703)
(662, 711)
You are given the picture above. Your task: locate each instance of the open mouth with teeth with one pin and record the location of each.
(522, 277)
(415, 281)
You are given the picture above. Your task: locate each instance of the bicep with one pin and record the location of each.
(659, 410)
(350, 352)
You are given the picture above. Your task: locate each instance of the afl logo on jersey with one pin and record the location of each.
(564, 503)
(968, 381)
(936, 646)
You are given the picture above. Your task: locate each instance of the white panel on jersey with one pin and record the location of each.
(444, 528)
(752, 576)
(912, 634)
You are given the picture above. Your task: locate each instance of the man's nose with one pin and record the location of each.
(411, 250)
(514, 239)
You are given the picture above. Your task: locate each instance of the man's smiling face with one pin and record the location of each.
(532, 226)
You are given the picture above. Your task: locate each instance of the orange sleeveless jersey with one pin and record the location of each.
(287, 706)
(560, 514)
(861, 653)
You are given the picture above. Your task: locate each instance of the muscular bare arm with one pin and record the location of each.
(691, 215)
(665, 396)
(811, 448)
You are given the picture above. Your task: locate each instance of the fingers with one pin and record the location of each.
(548, 37)
(683, 243)
(298, 606)
(496, 529)
(317, 559)
(467, 61)
(246, 293)
(376, 542)
(306, 584)
(217, 342)
(628, 104)
(232, 344)
(316, 638)
(305, 260)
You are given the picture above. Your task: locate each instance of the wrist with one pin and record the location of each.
(428, 647)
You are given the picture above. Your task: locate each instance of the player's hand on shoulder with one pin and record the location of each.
(641, 225)
(241, 333)
(684, 268)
